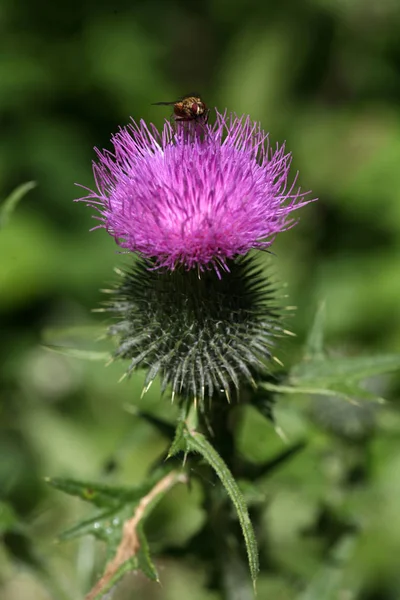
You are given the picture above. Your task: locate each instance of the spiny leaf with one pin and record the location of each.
(100, 494)
(79, 353)
(105, 526)
(196, 442)
(145, 563)
(355, 393)
(132, 551)
(8, 206)
(346, 391)
(336, 370)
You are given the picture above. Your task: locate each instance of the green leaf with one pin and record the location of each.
(145, 563)
(336, 370)
(196, 442)
(336, 376)
(121, 525)
(78, 353)
(8, 206)
(101, 495)
(105, 526)
(353, 392)
(314, 347)
(349, 392)
(299, 389)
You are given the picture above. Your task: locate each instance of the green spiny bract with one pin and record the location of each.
(203, 335)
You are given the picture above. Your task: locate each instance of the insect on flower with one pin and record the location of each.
(188, 108)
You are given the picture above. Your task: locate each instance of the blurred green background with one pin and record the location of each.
(324, 75)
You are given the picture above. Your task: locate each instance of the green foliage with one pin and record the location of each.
(196, 442)
(315, 374)
(100, 495)
(322, 75)
(320, 374)
(105, 526)
(120, 526)
(187, 440)
(145, 562)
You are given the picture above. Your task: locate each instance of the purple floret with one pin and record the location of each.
(196, 198)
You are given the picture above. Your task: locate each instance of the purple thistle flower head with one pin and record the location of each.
(197, 194)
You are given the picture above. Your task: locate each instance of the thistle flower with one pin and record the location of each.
(198, 196)
(192, 201)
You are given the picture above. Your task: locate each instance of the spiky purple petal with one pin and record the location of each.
(196, 195)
